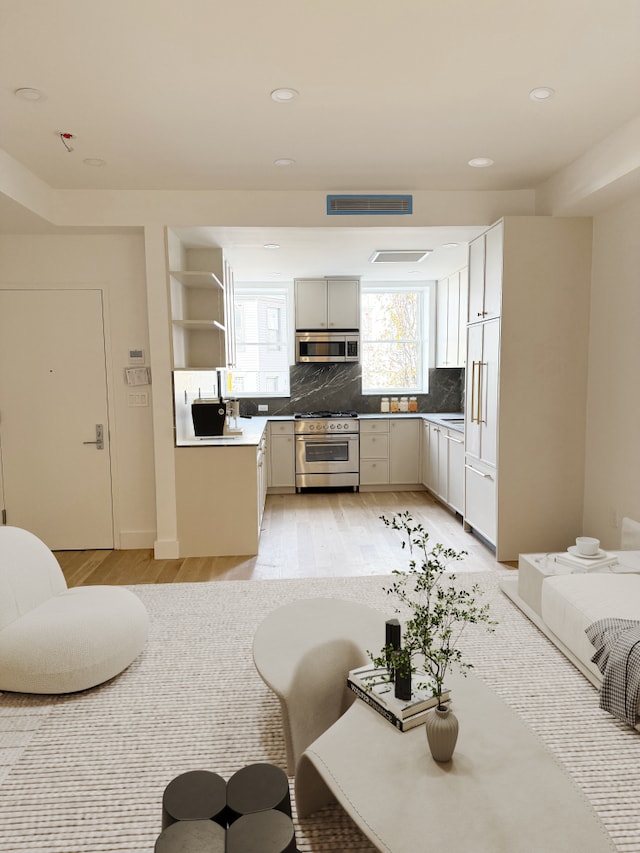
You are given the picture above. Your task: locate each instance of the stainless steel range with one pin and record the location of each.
(327, 449)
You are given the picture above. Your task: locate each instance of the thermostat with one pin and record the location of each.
(136, 356)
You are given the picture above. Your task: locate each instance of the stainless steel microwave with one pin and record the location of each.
(327, 346)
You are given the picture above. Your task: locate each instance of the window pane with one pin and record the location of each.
(262, 355)
(395, 339)
(390, 316)
(390, 366)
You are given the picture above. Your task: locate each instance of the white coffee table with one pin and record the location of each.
(503, 792)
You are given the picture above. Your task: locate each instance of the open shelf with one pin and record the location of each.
(197, 278)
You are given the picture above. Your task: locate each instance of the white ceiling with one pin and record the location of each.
(318, 252)
(175, 94)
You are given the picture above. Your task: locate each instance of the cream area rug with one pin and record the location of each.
(85, 773)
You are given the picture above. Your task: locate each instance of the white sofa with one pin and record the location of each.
(59, 640)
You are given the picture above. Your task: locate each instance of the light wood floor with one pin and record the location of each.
(333, 534)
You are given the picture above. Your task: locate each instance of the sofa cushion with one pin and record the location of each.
(74, 640)
(570, 603)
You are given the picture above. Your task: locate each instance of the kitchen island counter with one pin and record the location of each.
(252, 432)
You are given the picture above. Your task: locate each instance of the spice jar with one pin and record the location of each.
(413, 404)
(394, 404)
(384, 404)
(404, 404)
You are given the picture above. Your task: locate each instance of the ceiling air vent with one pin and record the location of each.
(399, 256)
(369, 205)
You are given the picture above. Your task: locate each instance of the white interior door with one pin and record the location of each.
(53, 394)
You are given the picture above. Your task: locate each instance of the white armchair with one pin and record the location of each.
(59, 640)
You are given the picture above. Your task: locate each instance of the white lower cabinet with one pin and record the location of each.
(282, 456)
(480, 502)
(443, 464)
(455, 493)
(374, 452)
(389, 452)
(432, 468)
(404, 451)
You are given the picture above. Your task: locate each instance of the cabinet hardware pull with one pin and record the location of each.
(481, 366)
(479, 473)
(473, 389)
(454, 440)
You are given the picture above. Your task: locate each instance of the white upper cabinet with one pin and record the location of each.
(485, 275)
(451, 320)
(327, 303)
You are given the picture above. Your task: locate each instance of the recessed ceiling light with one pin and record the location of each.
(96, 162)
(450, 245)
(284, 161)
(481, 162)
(272, 245)
(284, 96)
(542, 93)
(28, 94)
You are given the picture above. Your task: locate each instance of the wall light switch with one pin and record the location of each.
(141, 398)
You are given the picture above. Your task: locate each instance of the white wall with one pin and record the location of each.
(612, 471)
(116, 264)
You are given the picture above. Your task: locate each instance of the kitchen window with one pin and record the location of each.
(396, 337)
(262, 341)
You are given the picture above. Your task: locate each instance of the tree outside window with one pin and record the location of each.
(394, 339)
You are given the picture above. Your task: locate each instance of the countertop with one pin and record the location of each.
(252, 431)
(253, 428)
(450, 420)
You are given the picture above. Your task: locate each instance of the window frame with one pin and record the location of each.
(427, 322)
(268, 288)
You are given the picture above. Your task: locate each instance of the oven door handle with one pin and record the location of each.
(316, 438)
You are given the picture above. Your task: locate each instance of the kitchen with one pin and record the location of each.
(515, 269)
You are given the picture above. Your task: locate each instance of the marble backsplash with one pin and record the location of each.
(337, 387)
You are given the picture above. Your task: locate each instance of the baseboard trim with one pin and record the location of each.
(132, 540)
(166, 549)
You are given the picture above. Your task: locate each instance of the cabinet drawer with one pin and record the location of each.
(374, 472)
(374, 446)
(480, 499)
(281, 427)
(381, 425)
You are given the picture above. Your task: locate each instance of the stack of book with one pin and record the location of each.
(375, 687)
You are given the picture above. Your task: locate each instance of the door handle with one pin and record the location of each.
(99, 442)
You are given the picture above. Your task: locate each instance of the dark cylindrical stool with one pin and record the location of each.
(257, 788)
(264, 831)
(191, 836)
(195, 795)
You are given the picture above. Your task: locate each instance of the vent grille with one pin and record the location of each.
(369, 205)
(399, 256)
